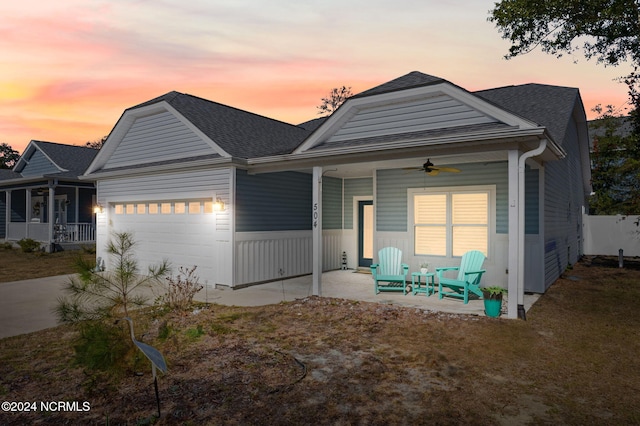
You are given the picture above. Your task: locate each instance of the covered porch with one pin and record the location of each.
(342, 284)
(49, 211)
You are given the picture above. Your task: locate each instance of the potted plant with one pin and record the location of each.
(493, 300)
(424, 267)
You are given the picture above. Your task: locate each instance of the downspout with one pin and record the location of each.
(521, 231)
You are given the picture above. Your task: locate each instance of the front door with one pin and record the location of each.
(365, 233)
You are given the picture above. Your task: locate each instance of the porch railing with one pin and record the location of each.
(68, 233)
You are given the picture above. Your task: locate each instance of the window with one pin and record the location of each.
(451, 222)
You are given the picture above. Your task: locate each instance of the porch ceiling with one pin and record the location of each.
(365, 169)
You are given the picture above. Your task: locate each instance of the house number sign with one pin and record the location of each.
(315, 215)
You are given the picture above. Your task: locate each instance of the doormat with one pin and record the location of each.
(362, 271)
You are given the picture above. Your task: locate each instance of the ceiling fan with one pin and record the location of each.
(430, 169)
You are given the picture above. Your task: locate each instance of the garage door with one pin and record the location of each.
(181, 231)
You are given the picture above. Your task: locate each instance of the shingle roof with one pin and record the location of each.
(407, 81)
(548, 106)
(240, 133)
(73, 158)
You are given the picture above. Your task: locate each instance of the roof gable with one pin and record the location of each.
(415, 106)
(178, 126)
(49, 158)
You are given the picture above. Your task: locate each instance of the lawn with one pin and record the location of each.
(318, 360)
(16, 265)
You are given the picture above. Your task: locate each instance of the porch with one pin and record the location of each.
(343, 284)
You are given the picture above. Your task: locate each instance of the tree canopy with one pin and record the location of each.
(615, 174)
(606, 30)
(8, 156)
(336, 97)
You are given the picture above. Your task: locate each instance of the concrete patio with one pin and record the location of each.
(345, 284)
(26, 306)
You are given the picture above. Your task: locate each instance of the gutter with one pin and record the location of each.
(521, 231)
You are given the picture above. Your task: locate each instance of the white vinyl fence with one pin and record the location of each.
(606, 235)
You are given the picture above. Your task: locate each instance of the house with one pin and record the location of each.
(42, 197)
(249, 199)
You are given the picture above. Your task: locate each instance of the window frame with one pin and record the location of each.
(490, 190)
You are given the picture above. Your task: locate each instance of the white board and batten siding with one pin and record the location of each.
(186, 229)
(268, 256)
(425, 113)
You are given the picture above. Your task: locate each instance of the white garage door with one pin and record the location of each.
(181, 231)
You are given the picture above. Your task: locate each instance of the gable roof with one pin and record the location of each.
(407, 81)
(70, 160)
(549, 106)
(240, 133)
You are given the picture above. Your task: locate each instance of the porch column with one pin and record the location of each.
(7, 215)
(316, 223)
(514, 232)
(51, 212)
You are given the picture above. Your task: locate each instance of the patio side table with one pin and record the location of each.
(416, 284)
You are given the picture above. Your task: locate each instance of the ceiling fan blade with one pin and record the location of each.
(433, 172)
(412, 168)
(448, 169)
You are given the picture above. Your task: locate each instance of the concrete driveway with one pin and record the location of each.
(27, 306)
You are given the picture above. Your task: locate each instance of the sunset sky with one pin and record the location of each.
(68, 69)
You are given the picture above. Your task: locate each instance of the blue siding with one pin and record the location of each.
(273, 201)
(3, 213)
(331, 203)
(360, 187)
(38, 165)
(391, 201)
(532, 204)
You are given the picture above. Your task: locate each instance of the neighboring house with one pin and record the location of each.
(292, 199)
(42, 198)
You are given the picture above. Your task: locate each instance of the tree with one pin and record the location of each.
(615, 175)
(336, 98)
(96, 295)
(8, 156)
(606, 30)
(97, 144)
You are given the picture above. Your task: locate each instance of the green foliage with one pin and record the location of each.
(181, 289)
(493, 292)
(6, 246)
(101, 346)
(28, 245)
(615, 175)
(608, 30)
(336, 97)
(101, 295)
(195, 333)
(8, 156)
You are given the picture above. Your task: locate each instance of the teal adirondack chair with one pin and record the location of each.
(468, 280)
(390, 274)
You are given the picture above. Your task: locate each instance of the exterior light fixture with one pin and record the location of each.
(218, 206)
(98, 209)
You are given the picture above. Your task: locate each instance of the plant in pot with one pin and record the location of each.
(493, 300)
(424, 267)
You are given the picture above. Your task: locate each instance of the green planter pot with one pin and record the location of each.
(492, 307)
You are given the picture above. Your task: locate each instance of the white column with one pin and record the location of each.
(316, 226)
(51, 207)
(514, 232)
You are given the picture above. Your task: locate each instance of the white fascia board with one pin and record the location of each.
(154, 169)
(127, 120)
(289, 160)
(33, 146)
(353, 105)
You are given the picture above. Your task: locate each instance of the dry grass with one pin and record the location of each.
(333, 361)
(15, 265)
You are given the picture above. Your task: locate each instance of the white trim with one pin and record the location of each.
(353, 105)
(356, 225)
(490, 189)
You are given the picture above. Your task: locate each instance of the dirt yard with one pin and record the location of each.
(574, 361)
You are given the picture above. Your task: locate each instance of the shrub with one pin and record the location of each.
(181, 289)
(101, 346)
(28, 245)
(6, 246)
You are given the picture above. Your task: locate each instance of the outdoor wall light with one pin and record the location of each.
(218, 206)
(98, 209)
